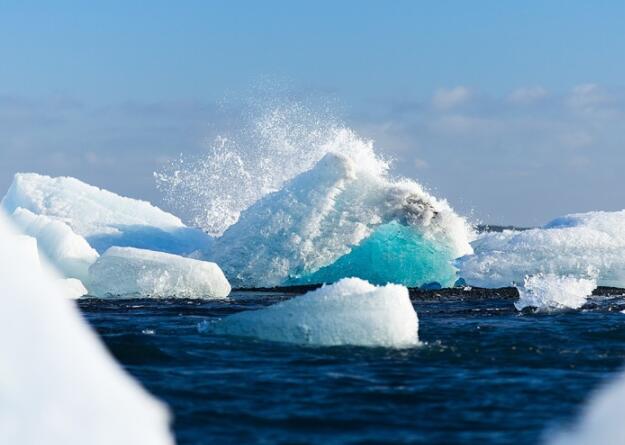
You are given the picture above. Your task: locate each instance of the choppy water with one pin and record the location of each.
(486, 375)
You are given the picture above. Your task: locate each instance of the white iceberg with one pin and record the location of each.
(71, 254)
(553, 292)
(349, 312)
(344, 217)
(103, 218)
(601, 421)
(575, 245)
(130, 272)
(59, 385)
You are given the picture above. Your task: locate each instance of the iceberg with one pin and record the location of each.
(103, 218)
(552, 292)
(349, 312)
(578, 245)
(59, 384)
(130, 272)
(344, 217)
(71, 254)
(601, 421)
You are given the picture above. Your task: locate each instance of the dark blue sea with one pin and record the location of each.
(486, 374)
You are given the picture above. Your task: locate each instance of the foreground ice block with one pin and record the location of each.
(130, 272)
(575, 245)
(349, 312)
(58, 383)
(601, 422)
(552, 292)
(103, 218)
(344, 217)
(71, 254)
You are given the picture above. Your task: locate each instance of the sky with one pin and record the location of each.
(513, 111)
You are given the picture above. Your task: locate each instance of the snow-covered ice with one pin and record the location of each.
(349, 312)
(103, 218)
(574, 245)
(552, 292)
(126, 272)
(59, 385)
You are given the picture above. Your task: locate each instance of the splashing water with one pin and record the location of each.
(549, 292)
(271, 146)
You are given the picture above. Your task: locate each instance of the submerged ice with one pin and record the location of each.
(344, 217)
(349, 312)
(576, 245)
(126, 272)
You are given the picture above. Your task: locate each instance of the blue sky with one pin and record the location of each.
(514, 111)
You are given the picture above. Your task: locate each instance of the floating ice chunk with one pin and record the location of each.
(601, 421)
(59, 385)
(71, 254)
(103, 218)
(342, 218)
(573, 245)
(349, 312)
(126, 271)
(547, 292)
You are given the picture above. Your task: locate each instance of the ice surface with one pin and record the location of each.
(72, 288)
(71, 254)
(575, 245)
(601, 422)
(130, 272)
(344, 217)
(549, 292)
(349, 312)
(103, 218)
(59, 385)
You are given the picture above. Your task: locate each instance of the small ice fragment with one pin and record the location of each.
(349, 312)
(126, 271)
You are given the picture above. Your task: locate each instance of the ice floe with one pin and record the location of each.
(130, 272)
(349, 312)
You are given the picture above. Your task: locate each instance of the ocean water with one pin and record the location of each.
(486, 373)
